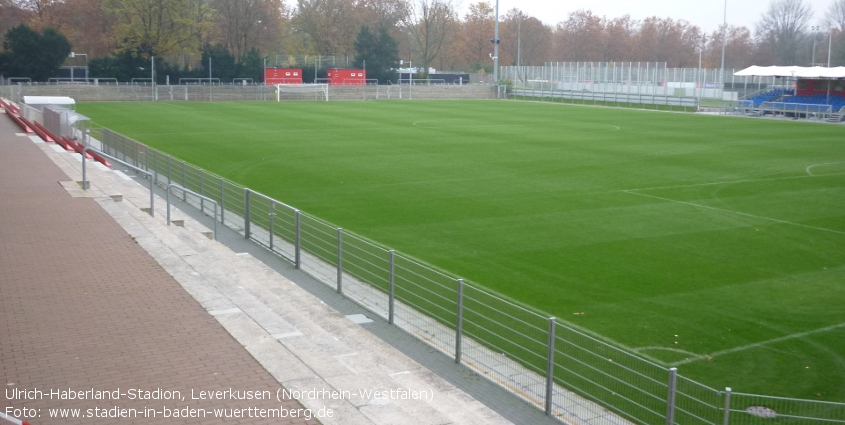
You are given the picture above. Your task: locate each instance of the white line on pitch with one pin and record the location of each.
(737, 212)
(762, 343)
(674, 350)
(809, 167)
(734, 181)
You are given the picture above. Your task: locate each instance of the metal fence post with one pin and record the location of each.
(297, 262)
(168, 170)
(670, 397)
(184, 183)
(727, 415)
(459, 321)
(391, 294)
(271, 226)
(339, 260)
(202, 190)
(550, 368)
(246, 213)
(146, 158)
(155, 166)
(222, 208)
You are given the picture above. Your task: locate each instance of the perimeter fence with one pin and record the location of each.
(634, 84)
(229, 93)
(574, 376)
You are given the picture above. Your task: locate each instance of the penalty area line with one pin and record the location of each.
(727, 182)
(736, 212)
(760, 344)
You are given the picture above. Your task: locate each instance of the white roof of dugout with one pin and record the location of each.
(48, 100)
(793, 71)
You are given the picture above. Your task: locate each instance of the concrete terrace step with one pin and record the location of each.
(306, 345)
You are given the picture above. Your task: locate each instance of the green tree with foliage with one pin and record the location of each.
(252, 66)
(26, 53)
(223, 64)
(379, 52)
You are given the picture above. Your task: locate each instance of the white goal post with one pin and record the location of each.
(302, 92)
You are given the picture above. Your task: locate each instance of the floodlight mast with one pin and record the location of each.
(724, 43)
(73, 55)
(495, 41)
(829, 45)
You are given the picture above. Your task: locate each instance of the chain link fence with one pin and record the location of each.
(575, 377)
(634, 84)
(229, 93)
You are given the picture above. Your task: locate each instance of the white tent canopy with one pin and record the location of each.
(48, 100)
(792, 71)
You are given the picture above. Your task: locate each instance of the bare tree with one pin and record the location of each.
(43, 12)
(620, 39)
(330, 26)
(835, 15)
(159, 27)
(475, 34)
(581, 37)
(429, 24)
(525, 40)
(244, 24)
(11, 15)
(86, 26)
(782, 29)
(739, 48)
(386, 14)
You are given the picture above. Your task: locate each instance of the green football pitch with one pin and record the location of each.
(714, 244)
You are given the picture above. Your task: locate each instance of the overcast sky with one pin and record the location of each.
(707, 14)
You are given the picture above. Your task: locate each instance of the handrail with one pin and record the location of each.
(149, 174)
(184, 189)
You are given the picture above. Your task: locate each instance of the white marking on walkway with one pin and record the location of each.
(122, 175)
(760, 344)
(287, 334)
(359, 318)
(226, 311)
(36, 140)
(737, 213)
(810, 167)
(11, 419)
(400, 373)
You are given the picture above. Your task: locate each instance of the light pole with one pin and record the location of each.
(495, 42)
(814, 29)
(700, 52)
(724, 43)
(829, 46)
(73, 55)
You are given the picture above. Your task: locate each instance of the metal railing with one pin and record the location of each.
(186, 191)
(606, 98)
(133, 167)
(572, 375)
(806, 109)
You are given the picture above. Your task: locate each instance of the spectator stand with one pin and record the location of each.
(814, 92)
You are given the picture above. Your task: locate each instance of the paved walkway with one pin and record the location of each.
(107, 310)
(83, 306)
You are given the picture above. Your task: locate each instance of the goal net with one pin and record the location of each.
(302, 92)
